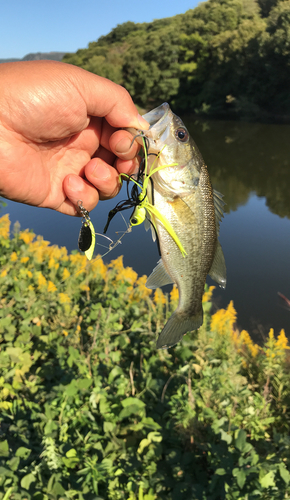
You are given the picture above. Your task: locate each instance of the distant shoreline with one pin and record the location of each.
(37, 56)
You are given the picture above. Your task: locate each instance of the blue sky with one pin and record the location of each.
(68, 25)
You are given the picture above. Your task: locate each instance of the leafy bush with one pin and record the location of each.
(224, 57)
(91, 410)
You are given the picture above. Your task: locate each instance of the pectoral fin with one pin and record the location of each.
(159, 277)
(218, 270)
(148, 224)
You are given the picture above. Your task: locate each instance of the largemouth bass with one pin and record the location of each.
(183, 194)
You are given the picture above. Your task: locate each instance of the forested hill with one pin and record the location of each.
(36, 56)
(224, 56)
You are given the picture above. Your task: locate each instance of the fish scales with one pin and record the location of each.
(184, 196)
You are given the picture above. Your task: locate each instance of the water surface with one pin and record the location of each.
(250, 165)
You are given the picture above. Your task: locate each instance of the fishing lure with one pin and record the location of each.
(133, 198)
(139, 199)
(87, 236)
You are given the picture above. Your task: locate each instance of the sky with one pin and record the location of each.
(68, 25)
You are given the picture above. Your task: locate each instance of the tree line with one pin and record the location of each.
(223, 57)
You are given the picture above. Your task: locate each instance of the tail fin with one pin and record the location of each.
(177, 326)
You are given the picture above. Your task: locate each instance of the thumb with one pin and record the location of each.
(106, 99)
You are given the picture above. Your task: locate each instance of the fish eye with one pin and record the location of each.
(181, 134)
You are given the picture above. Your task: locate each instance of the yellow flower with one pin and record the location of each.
(23, 260)
(4, 227)
(26, 236)
(79, 261)
(99, 267)
(84, 287)
(143, 291)
(123, 274)
(245, 337)
(29, 274)
(52, 264)
(51, 287)
(159, 297)
(41, 280)
(224, 319)
(4, 273)
(65, 274)
(174, 294)
(65, 333)
(140, 292)
(58, 253)
(13, 257)
(247, 341)
(254, 350)
(232, 314)
(117, 264)
(244, 343)
(127, 274)
(282, 341)
(208, 294)
(64, 298)
(39, 249)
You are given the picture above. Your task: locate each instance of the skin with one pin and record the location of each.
(60, 137)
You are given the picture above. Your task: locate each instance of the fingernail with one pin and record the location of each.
(143, 124)
(124, 145)
(101, 172)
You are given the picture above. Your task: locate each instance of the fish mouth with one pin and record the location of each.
(159, 118)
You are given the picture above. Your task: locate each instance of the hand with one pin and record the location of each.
(59, 141)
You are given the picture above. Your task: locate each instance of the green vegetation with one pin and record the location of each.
(223, 57)
(36, 56)
(89, 408)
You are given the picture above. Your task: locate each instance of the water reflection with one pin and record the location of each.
(249, 164)
(245, 157)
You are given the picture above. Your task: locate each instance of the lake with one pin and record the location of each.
(250, 164)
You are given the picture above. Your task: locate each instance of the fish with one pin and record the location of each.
(182, 192)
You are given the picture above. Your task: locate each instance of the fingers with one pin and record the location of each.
(102, 182)
(76, 188)
(122, 145)
(103, 177)
(106, 178)
(120, 142)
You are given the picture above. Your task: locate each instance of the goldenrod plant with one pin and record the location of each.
(89, 409)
